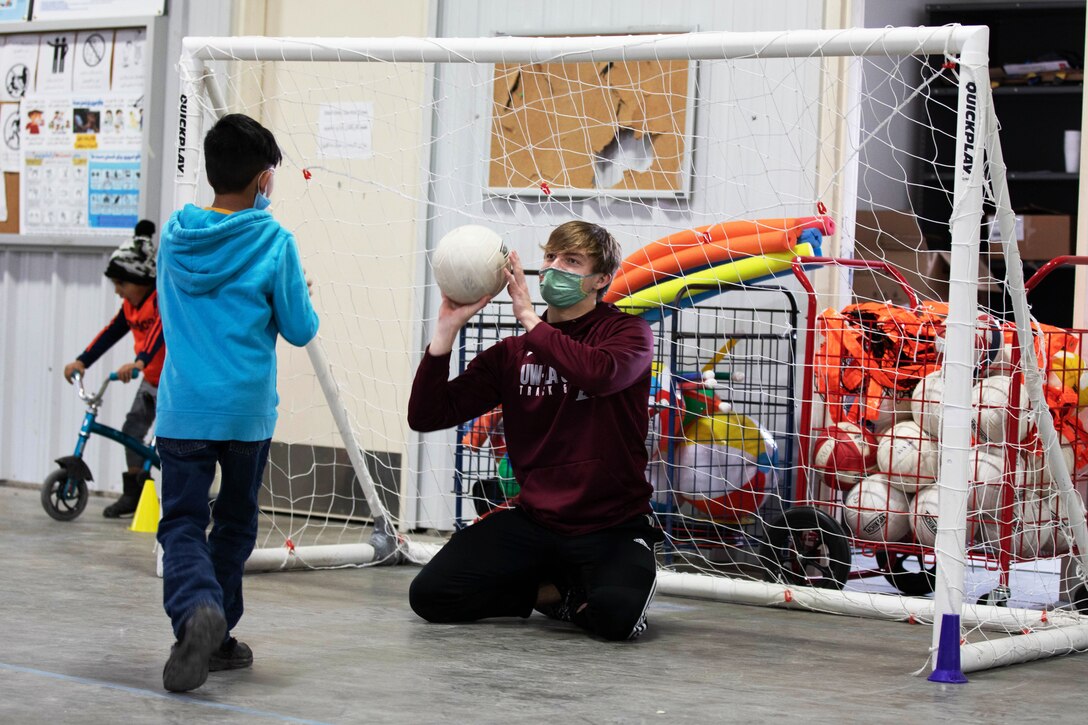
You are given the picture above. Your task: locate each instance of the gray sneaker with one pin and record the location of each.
(187, 668)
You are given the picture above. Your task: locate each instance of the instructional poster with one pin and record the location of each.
(12, 11)
(81, 163)
(54, 190)
(114, 190)
(72, 122)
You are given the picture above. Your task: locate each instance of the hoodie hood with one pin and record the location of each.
(208, 248)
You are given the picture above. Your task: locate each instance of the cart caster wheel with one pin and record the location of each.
(997, 597)
(912, 583)
(806, 547)
(64, 496)
(1079, 595)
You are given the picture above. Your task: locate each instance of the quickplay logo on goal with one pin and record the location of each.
(969, 130)
(183, 108)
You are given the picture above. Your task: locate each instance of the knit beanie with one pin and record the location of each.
(134, 261)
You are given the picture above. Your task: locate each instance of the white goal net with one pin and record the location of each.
(841, 419)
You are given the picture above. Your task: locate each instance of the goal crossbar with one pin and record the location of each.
(688, 46)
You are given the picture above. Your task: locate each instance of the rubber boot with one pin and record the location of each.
(130, 497)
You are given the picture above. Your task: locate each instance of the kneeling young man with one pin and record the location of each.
(577, 542)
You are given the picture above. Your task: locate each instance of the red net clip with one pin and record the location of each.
(1025, 630)
(787, 596)
(306, 174)
(1043, 618)
(289, 545)
(820, 208)
(949, 65)
(545, 188)
(911, 619)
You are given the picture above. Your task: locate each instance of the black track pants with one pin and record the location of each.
(495, 567)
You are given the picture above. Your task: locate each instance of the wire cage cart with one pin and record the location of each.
(722, 443)
(870, 420)
(723, 425)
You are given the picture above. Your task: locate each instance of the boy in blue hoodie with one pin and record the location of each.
(230, 282)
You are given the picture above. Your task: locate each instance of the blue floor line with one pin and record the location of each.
(161, 695)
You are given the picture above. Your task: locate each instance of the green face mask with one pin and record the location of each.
(561, 288)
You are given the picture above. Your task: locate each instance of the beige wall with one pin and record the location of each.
(355, 220)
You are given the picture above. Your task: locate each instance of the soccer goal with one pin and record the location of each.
(852, 410)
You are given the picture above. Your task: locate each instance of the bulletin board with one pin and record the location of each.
(584, 129)
(71, 123)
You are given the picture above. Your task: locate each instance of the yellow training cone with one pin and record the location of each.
(146, 520)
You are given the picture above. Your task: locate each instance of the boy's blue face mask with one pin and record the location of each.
(260, 201)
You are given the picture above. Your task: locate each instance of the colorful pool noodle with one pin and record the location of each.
(690, 259)
(657, 301)
(720, 232)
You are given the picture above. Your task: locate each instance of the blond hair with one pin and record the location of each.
(593, 240)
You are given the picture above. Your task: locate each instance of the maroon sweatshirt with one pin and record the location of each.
(574, 400)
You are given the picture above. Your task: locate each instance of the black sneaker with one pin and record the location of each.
(565, 609)
(187, 668)
(231, 655)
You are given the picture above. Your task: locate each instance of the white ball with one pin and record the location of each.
(908, 457)
(986, 476)
(994, 409)
(875, 511)
(892, 410)
(925, 403)
(468, 263)
(1031, 531)
(923, 515)
(1061, 533)
(1046, 477)
(1002, 362)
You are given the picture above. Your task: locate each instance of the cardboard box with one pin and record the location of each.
(926, 273)
(886, 231)
(895, 237)
(1040, 237)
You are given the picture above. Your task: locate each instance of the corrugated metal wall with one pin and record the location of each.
(54, 302)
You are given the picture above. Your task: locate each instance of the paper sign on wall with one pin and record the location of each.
(128, 60)
(91, 61)
(343, 130)
(18, 61)
(55, 63)
(72, 9)
(9, 137)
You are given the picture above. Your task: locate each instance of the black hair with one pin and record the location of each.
(236, 149)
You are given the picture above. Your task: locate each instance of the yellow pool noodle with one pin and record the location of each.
(741, 270)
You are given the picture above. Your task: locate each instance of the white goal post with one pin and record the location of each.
(220, 75)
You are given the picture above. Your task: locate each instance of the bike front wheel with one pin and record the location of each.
(64, 496)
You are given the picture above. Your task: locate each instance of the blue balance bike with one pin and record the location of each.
(64, 492)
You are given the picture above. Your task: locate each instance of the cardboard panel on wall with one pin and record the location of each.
(11, 194)
(590, 127)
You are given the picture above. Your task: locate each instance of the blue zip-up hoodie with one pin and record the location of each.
(228, 285)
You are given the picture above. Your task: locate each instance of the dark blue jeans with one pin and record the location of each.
(200, 568)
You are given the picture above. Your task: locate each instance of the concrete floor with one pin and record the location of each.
(83, 639)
